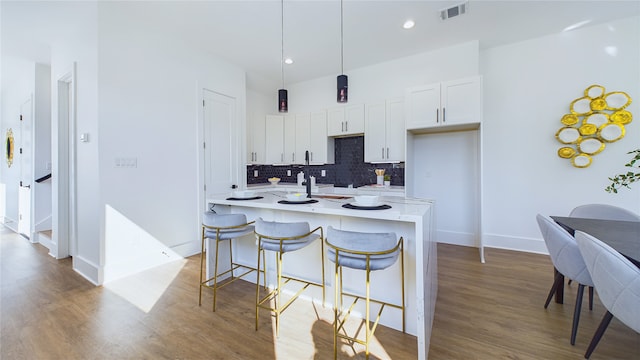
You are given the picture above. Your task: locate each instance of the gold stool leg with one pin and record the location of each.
(201, 265)
(368, 329)
(335, 311)
(258, 283)
(215, 272)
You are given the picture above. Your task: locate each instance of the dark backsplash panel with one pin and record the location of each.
(349, 168)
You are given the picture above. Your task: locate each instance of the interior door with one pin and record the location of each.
(25, 160)
(219, 137)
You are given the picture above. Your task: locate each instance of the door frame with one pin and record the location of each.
(64, 212)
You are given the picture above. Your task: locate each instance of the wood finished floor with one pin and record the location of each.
(484, 311)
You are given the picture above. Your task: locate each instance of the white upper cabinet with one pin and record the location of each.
(384, 135)
(256, 139)
(274, 143)
(450, 103)
(289, 129)
(303, 137)
(321, 149)
(345, 120)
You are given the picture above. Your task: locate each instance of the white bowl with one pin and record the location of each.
(274, 180)
(296, 197)
(243, 194)
(367, 200)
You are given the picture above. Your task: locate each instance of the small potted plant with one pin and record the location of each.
(387, 180)
(621, 180)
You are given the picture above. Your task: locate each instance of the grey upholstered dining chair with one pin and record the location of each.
(222, 228)
(617, 282)
(604, 212)
(567, 260)
(368, 252)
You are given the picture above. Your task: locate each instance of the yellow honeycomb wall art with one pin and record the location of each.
(594, 120)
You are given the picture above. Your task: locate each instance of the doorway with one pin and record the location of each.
(220, 143)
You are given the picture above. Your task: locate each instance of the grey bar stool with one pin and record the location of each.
(368, 252)
(283, 238)
(222, 227)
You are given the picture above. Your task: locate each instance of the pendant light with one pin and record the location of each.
(343, 81)
(283, 102)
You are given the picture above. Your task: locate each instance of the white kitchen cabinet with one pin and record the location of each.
(274, 139)
(321, 150)
(302, 137)
(447, 104)
(289, 145)
(345, 120)
(256, 139)
(384, 134)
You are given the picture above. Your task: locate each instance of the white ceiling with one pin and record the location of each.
(248, 33)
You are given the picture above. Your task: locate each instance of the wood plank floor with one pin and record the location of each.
(484, 311)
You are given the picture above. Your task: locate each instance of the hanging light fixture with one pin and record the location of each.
(283, 102)
(343, 81)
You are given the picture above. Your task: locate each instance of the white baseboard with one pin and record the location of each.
(515, 243)
(187, 249)
(47, 242)
(507, 242)
(10, 224)
(88, 270)
(456, 238)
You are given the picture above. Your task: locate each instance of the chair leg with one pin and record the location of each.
(590, 297)
(258, 284)
(335, 312)
(576, 314)
(215, 275)
(368, 327)
(279, 291)
(598, 334)
(201, 265)
(556, 282)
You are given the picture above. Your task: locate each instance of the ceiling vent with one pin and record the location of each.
(454, 11)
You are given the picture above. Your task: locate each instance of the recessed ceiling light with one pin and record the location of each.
(409, 24)
(288, 61)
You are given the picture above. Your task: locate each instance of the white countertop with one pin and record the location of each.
(402, 209)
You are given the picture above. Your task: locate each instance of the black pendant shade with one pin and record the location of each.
(343, 87)
(283, 102)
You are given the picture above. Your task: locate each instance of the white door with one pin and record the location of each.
(219, 148)
(25, 160)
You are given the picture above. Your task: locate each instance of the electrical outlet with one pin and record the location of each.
(288, 172)
(255, 173)
(323, 173)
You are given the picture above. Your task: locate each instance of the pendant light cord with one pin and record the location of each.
(282, 40)
(341, 40)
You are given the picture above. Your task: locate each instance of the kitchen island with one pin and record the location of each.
(412, 219)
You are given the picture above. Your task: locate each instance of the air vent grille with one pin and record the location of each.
(454, 11)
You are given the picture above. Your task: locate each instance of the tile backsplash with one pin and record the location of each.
(349, 168)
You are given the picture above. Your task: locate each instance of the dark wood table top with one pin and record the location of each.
(623, 236)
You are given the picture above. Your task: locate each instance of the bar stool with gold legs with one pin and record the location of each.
(368, 252)
(283, 238)
(222, 227)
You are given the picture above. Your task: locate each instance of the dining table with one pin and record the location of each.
(622, 236)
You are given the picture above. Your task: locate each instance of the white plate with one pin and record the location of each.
(355, 203)
(298, 200)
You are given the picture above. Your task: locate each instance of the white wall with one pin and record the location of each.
(76, 49)
(41, 192)
(528, 86)
(150, 103)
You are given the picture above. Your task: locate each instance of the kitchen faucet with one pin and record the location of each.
(307, 174)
